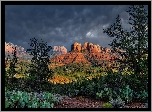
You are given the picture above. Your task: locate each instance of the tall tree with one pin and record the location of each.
(135, 41)
(40, 60)
(13, 64)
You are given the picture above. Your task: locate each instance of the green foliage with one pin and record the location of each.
(115, 80)
(137, 82)
(19, 99)
(90, 88)
(105, 87)
(128, 87)
(143, 64)
(105, 94)
(79, 71)
(6, 78)
(141, 96)
(13, 63)
(107, 105)
(117, 103)
(10, 72)
(134, 42)
(40, 60)
(23, 67)
(126, 93)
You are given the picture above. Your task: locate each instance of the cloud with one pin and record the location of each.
(105, 26)
(60, 25)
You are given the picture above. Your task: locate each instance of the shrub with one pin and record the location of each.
(141, 96)
(117, 103)
(126, 93)
(115, 80)
(10, 72)
(138, 82)
(13, 63)
(105, 94)
(19, 99)
(107, 105)
(40, 60)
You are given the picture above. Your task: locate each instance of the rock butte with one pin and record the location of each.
(60, 49)
(20, 50)
(86, 54)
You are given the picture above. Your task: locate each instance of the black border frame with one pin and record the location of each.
(3, 3)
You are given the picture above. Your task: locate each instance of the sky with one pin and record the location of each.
(61, 25)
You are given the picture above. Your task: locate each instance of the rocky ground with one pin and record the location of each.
(85, 102)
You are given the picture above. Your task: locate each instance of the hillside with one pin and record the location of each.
(21, 52)
(88, 53)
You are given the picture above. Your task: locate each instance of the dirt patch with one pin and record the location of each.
(85, 102)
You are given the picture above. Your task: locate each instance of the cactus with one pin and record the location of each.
(118, 103)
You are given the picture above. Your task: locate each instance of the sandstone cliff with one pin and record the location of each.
(21, 52)
(60, 49)
(70, 57)
(76, 47)
(88, 54)
(88, 47)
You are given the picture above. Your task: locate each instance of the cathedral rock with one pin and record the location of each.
(87, 54)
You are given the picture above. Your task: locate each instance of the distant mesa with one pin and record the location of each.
(70, 57)
(87, 54)
(60, 49)
(89, 47)
(20, 50)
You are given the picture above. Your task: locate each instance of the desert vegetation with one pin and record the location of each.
(35, 84)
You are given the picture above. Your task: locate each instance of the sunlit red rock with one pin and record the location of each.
(87, 53)
(76, 47)
(9, 49)
(60, 49)
(70, 57)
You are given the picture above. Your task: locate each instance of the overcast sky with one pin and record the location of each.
(61, 25)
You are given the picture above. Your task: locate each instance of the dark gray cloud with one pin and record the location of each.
(61, 24)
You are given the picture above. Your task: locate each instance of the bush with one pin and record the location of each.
(100, 88)
(80, 87)
(105, 88)
(141, 96)
(107, 105)
(19, 99)
(126, 93)
(138, 82)
(40, 60)
(115, 80)
(118, 103)
(105, 94)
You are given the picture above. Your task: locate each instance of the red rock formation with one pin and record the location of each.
(60, 49)
(107, 50)
(20, 50)
(71, 57)
(94, 48)
(87, 53)
(87, 47)
(76, 47)
(8, 48)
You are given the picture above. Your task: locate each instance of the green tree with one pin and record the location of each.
(39, 68)
(13, 63)
(135, 41)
